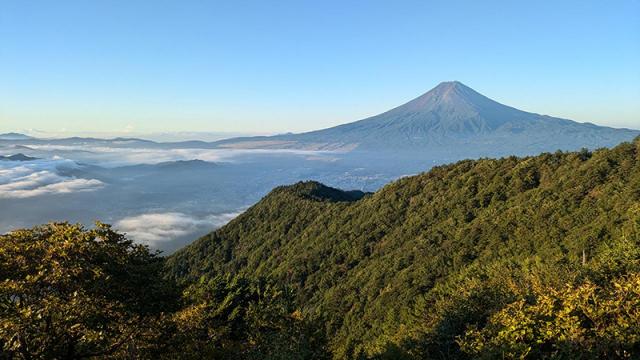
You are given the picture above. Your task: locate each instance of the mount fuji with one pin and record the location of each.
(449, 119)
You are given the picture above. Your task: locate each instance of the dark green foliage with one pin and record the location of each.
(67, 292)
(71, 293)
(595, 315)
(312, 190)
(235, 318)
(407, 270)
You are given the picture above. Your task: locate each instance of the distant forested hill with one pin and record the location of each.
(436, 265)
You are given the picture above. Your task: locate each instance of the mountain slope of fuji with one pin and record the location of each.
(451, 118)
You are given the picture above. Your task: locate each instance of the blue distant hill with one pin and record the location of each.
(14, 136)
(17, 157)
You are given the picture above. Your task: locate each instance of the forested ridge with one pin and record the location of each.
(409, 269)
(533, 257)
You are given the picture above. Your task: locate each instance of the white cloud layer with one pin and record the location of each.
(114, 156)
(41, 177)
(155, 228)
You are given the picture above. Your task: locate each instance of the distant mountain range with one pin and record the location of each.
(14, 136)
(17, 157)
(450, 121)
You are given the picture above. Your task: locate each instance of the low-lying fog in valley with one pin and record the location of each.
(164, 197)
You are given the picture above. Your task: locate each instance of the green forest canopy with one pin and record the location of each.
(412, 266)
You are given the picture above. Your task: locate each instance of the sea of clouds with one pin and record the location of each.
(62, 171)
(154, 229)
(41, 177)
(114, 156)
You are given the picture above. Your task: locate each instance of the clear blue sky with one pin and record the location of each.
(273, 66)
